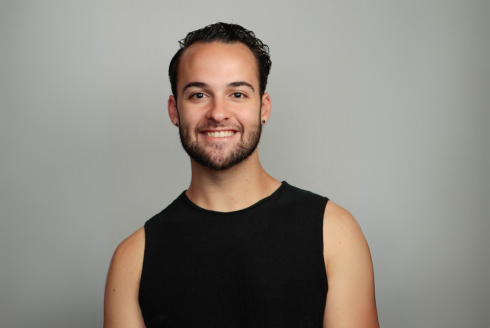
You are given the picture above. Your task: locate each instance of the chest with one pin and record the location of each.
(247, 273)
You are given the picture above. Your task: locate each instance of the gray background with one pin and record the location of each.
(382, 106)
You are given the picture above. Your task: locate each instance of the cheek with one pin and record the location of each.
(248, 122)
(188, 118)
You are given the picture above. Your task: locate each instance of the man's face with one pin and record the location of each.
(218, 104)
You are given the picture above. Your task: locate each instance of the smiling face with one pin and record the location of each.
(218, 104)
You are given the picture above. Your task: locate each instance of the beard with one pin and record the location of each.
(218, 156)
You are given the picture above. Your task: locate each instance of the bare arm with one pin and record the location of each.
(121, 307)
(350, 297)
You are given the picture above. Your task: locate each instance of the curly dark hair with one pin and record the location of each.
(228, 34)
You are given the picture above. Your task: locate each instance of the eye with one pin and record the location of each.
(238, 95)
(198, 95)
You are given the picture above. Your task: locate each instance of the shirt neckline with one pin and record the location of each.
(260, 202)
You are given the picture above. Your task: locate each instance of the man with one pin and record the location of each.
(238, 248)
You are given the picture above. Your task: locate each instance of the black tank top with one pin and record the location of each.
(261, 266)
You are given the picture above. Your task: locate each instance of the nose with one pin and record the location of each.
(218, 111)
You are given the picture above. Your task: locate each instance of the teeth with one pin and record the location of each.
(220, 134)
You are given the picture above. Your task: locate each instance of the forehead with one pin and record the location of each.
(217, 64)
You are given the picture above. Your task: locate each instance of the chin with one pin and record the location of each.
(221, 163)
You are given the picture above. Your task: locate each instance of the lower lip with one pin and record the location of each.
(218, 138)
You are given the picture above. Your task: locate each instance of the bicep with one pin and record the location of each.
(350, 297)
(121, 306)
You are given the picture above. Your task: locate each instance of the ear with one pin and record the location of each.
(266, 108)
(172, 110)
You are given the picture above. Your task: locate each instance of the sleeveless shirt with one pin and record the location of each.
(261, 266)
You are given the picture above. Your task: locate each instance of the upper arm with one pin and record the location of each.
(350, 297)
(121, 306)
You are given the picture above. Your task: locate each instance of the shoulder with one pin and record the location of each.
(126, 265)
(129, 253)
(342, 235)
(351, 297)
(121, 308)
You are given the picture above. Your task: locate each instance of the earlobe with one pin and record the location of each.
(266, 108)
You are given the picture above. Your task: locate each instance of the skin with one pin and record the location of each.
(220, 105)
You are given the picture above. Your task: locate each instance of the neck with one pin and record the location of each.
(233, 189)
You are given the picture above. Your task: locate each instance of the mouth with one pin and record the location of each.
(223, 134)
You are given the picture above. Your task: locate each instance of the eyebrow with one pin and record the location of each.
(230, 85)
(239, 84)
(195, 84)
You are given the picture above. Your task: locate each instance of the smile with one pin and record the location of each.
(219, 134)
